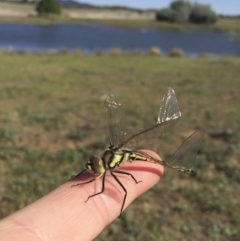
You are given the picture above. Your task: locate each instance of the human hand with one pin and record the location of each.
(64, 215)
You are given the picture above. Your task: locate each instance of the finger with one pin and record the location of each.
(64, 213)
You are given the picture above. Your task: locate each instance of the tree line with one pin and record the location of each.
(184, 12)
(179, 11)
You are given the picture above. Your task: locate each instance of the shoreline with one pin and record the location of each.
(225, 26)
(153, 51)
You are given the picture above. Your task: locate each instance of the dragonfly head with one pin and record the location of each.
(95, 165)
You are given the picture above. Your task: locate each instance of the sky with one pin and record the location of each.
(227, 7)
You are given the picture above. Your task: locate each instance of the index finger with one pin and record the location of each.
(64, 213)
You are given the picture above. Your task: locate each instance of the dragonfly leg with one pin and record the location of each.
(78, 184)
(82, 183)
(124, 189)
(103, 186)
(127, 173)
(79, 174)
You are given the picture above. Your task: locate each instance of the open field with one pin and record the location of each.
(25, 13)
(52, 118)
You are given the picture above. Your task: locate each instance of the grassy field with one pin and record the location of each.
(25, 13)
(52, 116)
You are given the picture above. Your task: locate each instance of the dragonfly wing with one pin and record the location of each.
(117, 130)
(169, 108)
(121, 137)
(156, 131)
(169, 114)
(187, 152)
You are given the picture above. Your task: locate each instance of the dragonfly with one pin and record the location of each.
(123, 140)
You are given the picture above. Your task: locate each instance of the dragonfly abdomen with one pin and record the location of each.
(137, 156)
(182, 169)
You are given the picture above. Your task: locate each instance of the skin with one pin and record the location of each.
(63, 214)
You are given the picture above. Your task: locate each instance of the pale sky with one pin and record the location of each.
(227, 7)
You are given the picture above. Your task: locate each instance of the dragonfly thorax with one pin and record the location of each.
(114, 158)
(95, 165)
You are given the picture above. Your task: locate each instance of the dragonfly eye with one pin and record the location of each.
(96, 164)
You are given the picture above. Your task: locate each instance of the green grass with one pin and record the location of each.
(52, 116)
(25, 14)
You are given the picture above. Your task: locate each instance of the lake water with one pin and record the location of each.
(92, 37)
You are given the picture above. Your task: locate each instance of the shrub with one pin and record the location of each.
(176, 53)
(99, 52)
(202, 14)
(115, 51)
(45, 7)
(182, 9)
(63, 51)
(166, 14)
(155, 51)
(180, 5)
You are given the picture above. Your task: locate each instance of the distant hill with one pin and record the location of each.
(228, 16)
(72, 3)
(75, 4)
